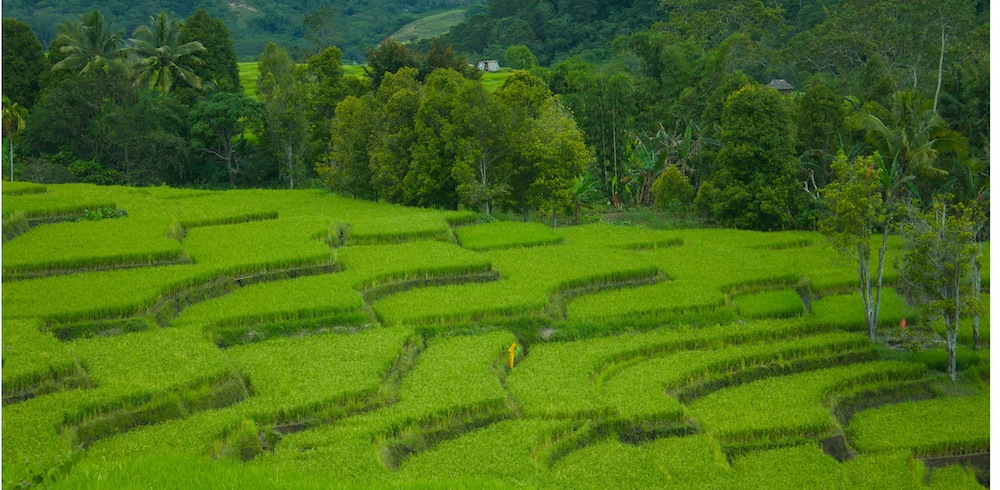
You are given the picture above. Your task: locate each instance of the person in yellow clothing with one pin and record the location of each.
(514, 350)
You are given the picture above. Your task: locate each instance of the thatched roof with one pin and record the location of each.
(781, 85)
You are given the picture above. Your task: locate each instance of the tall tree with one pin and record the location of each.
(23, 63)
(326, 88)
(13, 123)
(754, 186)
(430, 181)
(911, 132)
(482, 169)
(346, 168)
(219, 127)
(525, 96)
(286, 128)
(220, 63)
(90, 43)
(388, 57)
(936, 268)
(561, 156)
(159, 57)
(856, 212)
(397, 101)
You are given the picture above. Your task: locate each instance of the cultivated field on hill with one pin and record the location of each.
(296, 339)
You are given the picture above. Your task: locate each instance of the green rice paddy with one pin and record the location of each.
(298, 339)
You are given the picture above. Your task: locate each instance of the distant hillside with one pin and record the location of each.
(430, 26)
(301, 26)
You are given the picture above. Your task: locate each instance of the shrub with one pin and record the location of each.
(671, 190)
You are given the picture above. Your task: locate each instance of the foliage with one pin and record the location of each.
(754, 187)
(520, 58)
(856, 211)
(219, 126)
(24, 62)
(936, 268)
(160, 57)
(672, 189)
(219, 59)
(90, 43)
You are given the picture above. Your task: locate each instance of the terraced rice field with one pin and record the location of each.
(297, 339)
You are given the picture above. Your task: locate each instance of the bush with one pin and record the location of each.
(671, 190)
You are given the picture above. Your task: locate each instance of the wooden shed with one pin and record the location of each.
(489, 65)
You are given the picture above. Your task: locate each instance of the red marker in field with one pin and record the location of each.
(902, 324)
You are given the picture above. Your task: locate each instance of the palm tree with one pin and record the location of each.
(913, 133)
(157, 56)
(89, 43)
(13, 123)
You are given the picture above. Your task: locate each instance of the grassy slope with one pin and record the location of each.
(430, 26)
(307, 357)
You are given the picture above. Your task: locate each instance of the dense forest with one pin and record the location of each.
(731, 111)
(303, 27)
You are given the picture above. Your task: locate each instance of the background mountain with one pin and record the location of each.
(304, 27)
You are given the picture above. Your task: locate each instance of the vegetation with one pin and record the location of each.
(308, 326)
(450, 275)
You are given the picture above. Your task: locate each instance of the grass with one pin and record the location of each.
(430, 26)
(252, 312)
(506, 234)
(493, 80)
(775, 409)
(781, 303)
(34, 362)
(371, 265)
(286, 388)
(21, 188)
(559, 379)
(249, 71)
(952, 425)
(68, 247)
(640, 389)
(846, 310)
(311, 328)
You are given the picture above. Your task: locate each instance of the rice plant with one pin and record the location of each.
(782, 303)
(35, 363)
(950, 425)
(789, 407)
(71, 247)
(506, 234)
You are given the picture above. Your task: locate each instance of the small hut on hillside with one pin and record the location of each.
(489, 65)
(783, 87)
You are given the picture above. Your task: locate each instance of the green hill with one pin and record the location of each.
(301, 27)
(430, 26)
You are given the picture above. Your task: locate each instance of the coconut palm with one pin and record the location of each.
(158, 58)
(89, 43)
(913, 133)
(13, 123)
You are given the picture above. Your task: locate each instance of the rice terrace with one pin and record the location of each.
(174, 338)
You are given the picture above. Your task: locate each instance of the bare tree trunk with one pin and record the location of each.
(951, 334)
(937, 92)
(952, 329)
(864, 277)
(977, 290)
(878, 280)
